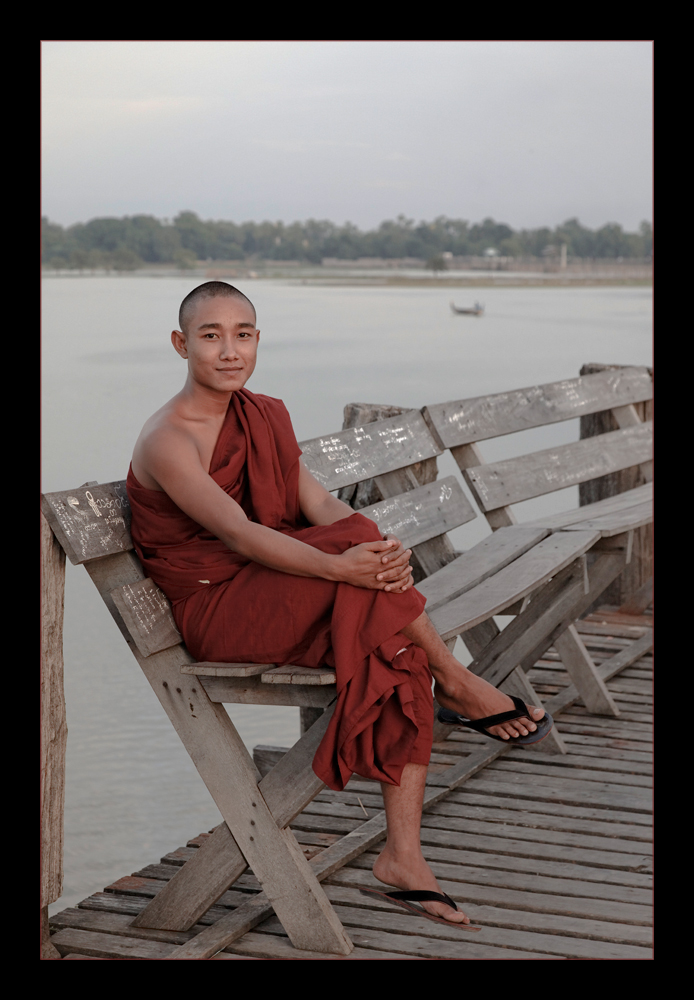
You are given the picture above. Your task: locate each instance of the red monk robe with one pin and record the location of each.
(231, 610)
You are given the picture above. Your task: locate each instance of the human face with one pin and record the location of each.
(220, 344)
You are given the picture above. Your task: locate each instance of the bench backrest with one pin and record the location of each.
(461, 424)
(92, 522)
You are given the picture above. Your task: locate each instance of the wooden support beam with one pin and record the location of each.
(53, 729)
(582, 671)
(287, 789)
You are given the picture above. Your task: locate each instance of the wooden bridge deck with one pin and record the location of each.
(550, 856)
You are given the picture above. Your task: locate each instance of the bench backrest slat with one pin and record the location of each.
(424, 513)
(369, 450)
(91, 521)
(465, 421)
(499, 484)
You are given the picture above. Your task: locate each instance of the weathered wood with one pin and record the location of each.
(292, 674)
(424, 513)
(616, 523)
(548, 615)
(53, 719)
(252, 691)
(604, 569)
(90, 522)
(478, 564)
(207, 669)
(637, 602)
(622, 504)
(428, 554)
(217, 863)
(366, 493)
(147, 613)
(641, 566)
(523, 576)
(582, 671)
(525, 892)
(229, 774)
(607, 669)
(364, 452)
(467, 421)
(512, 480)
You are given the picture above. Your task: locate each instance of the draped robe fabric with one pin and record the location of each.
(232, 610)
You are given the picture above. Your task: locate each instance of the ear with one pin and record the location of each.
(178, 340)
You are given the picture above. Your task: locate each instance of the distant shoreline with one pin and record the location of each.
(496, 279)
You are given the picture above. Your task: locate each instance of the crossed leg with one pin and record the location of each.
(462, 691)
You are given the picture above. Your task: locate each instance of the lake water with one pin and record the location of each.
(132, 793)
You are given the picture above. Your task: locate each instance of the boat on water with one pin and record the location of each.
(477, 310)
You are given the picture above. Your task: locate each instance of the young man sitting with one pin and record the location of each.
(262, 564)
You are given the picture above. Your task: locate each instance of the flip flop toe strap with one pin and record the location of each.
(422, 895)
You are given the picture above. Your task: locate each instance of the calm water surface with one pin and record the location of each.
(132, 792)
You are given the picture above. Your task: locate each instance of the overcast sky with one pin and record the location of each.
(529, 133)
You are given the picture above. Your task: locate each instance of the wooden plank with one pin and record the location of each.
(252, 691)
(529, 893)
(501, 483)
(90, 521)
(312, 676)
(412, 934)
(523, 576)
(423, 513)
(146, 611)
(621, 502)
(600, 794)
(468, 420)
(477, 807)
(486, 911)
(427, 556)
(207, 669)
(53, 718)
(99, 945)
(366, 451)
(616, 522)
(479, 563)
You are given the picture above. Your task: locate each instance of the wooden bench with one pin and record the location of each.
(464, 592)
(497, 486)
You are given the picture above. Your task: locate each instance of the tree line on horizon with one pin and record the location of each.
(132, 241)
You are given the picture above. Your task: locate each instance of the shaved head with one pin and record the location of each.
(210, 290)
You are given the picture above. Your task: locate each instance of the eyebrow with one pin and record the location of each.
(217, 326)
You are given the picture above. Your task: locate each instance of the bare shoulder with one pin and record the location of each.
(166, 444)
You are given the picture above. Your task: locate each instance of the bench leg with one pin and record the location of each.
(218, 862)
(583, 672)
(227, 769)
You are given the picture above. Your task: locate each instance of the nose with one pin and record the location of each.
(228, 350)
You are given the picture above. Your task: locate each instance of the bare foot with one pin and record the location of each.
(474, 698)
(412, 872)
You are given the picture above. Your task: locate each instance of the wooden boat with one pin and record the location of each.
(477, 310)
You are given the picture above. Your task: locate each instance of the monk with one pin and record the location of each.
(262, 564)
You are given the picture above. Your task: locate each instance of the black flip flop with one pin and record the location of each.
(481, 725)
(401, 897)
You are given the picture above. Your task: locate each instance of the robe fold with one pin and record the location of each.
(232, 610)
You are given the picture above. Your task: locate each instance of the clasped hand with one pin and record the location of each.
(383, 565)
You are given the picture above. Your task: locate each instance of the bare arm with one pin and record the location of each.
(172, 460)
(320, 507)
